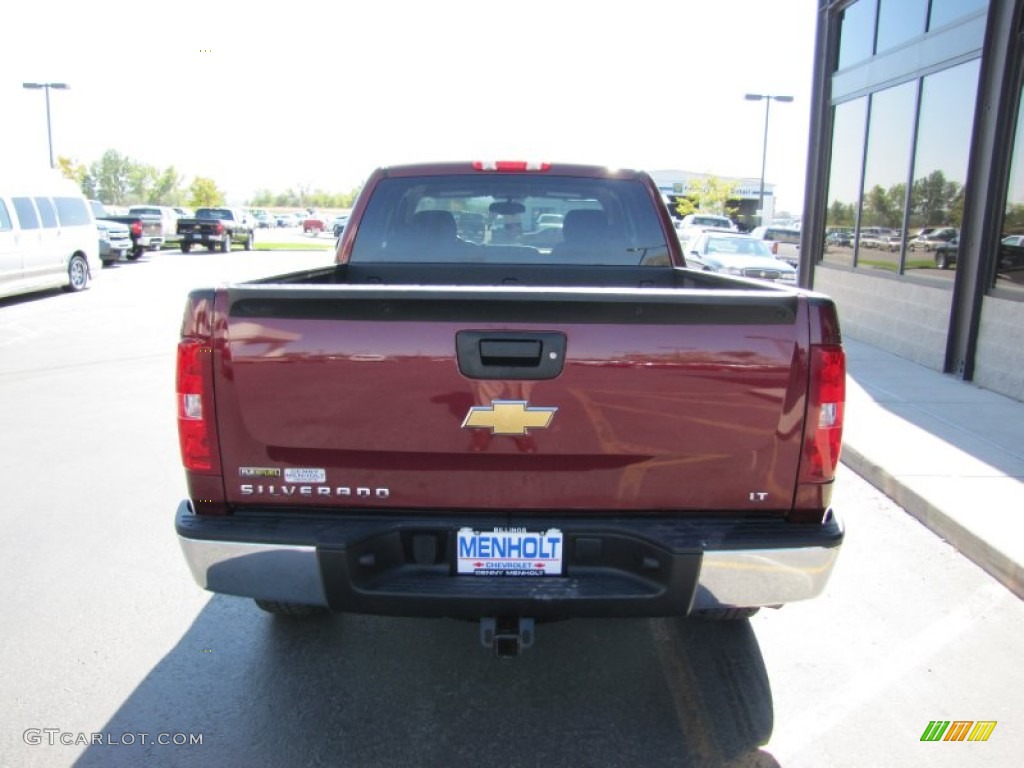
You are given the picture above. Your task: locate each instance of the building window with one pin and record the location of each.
(1009, 263)
(844, 180)
(945, 11)
(857, 33)
(879, 238)
(940, 167)
(899, 21)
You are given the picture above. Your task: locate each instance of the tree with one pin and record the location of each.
(142, 181)
(709, 194)
(119, 180)
(934, 201)
(71, 169)
(840, 214)
(167, 190)
(203, 193)
(956, 205)
(897, 195)
(110, 176)
(878, 209)
(1013, 219)
(264, 197)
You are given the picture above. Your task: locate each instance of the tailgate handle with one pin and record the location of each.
(510, 354)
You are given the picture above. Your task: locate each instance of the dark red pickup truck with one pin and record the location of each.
(510, 423)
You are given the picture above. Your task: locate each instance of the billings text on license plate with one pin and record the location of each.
(510, 552)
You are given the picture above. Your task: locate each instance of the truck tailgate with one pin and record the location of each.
(356, 396)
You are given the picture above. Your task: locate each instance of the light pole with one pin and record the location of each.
(768, 98)
(46, 87)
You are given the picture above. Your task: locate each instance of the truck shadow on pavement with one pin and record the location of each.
(374, 691)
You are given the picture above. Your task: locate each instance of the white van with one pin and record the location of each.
(48, 237)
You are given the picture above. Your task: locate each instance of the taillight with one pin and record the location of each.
(136, 228)
(195, 366)
(510, 165)
(220, 228)
(775, 247)
(823, 430)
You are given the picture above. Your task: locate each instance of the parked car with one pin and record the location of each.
(217, 229)
(115, 241)
(704, 220)
(262, 219)
(932, 239)
(544, 238)
(892, 242)
(314, 224)
(545, 438)
(337, 224)
(839, 237)
(48, 236)
(875, 237)
(144, 229)
(168, 222)
(732, 253)
(946, 253)
(784, 242)
(550, 220)
(287, 220)
(1011, 256)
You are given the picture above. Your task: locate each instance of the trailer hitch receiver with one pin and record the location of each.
(507, 635)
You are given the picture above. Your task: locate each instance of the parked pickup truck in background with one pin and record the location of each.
(217, 229)
(115, 241)
(507, 432)
(144, 229)
(168, 221)
(314, 223)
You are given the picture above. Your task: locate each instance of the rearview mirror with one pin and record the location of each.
(507, 208)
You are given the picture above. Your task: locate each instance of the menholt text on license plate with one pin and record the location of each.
(510, 552)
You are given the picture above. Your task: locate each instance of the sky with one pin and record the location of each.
(261, 95)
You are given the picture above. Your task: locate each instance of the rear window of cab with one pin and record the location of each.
(511, 218)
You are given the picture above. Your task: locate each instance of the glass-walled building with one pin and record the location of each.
(914, 219)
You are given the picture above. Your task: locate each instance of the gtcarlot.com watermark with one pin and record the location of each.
(52, 737)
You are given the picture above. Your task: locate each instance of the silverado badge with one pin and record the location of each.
(508, 417)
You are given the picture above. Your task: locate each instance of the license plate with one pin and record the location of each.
(196, 236)
(510, 552)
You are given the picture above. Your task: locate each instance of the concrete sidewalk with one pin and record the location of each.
(949, 452)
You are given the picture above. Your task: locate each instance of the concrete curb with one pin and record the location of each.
(981, 552)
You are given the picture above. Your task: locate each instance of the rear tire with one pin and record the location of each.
(291, 610)
(225, 244)
(78, 274)
(186, 247)
(136, 253)
(249, 241)
(941, 261)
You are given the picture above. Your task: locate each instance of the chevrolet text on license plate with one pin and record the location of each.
(510, 552)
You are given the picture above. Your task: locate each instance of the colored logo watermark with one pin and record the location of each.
(958, 730)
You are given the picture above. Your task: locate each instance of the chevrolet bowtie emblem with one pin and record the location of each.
(508, 417)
